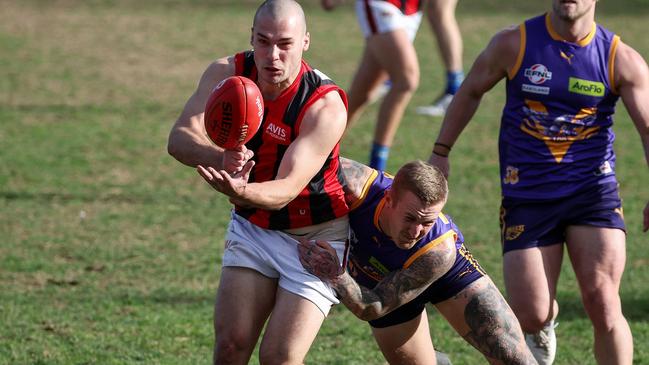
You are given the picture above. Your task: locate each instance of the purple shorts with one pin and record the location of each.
(527, 223)
(465, 271)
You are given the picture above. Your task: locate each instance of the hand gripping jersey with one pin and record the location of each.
(556, 134)
(323, 198)
(373, 254)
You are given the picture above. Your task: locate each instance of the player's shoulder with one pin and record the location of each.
(627, 56)
(220, 69)
(333, 102)
(507, 39)
(329, 106)
(315, 75)
(317, 80)
(357, 179)
(630, 66)
(217, 71)
(504, 49)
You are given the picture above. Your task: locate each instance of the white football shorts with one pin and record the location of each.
(274, 254)
(377, 16)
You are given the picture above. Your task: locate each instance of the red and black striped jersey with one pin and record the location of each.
(323, 198)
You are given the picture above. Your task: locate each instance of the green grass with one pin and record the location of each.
(110, 249)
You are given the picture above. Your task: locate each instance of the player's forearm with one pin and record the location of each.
(192, 149)
(363, 302)
(645, 146)
(397, 287)
(460, 112)
(270, 195)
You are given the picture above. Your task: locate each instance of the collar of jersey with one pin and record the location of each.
(553, 33)
(377, 213)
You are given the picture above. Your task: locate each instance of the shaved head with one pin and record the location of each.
(281, 10)
(278, 39)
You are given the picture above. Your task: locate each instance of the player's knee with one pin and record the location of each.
(407, 84)
(268, 356)
(413, 83)
(603, 308)
(232, 348)
(226, 353)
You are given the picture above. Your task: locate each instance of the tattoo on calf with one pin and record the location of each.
(493, 327)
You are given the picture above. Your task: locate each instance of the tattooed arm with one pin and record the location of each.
(356, 175)
(397, 287)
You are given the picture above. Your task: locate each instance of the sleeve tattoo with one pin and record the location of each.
(355, 174)
(398, 287)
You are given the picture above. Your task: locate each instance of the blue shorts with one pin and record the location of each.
(465, 271)
(526, 223)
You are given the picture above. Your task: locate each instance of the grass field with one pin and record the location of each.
(110, 249)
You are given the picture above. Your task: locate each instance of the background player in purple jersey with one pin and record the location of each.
(405, 253)
(564, 75)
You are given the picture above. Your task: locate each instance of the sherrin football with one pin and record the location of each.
(233, 112)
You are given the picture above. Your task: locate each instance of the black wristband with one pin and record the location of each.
(443, 145)
(439, 154)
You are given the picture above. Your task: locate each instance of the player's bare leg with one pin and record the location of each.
(368, 77)
(598, 257)
(403, 70)
(406, 343)
(531, 277)
(291, 329)
(480, 314)
(244, 301)
(441, 15)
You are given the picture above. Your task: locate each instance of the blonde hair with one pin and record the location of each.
(425, 181)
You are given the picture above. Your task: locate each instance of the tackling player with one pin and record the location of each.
(405, 253)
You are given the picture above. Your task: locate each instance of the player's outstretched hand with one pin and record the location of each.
(320, 259)
(232, 185)
(441, 163)
(645, 221)
(234, 160)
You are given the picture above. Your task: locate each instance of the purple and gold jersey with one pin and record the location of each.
(373, 254)
(556, 135)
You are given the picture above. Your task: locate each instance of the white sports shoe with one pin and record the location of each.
(543, 344)
(438, 108)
